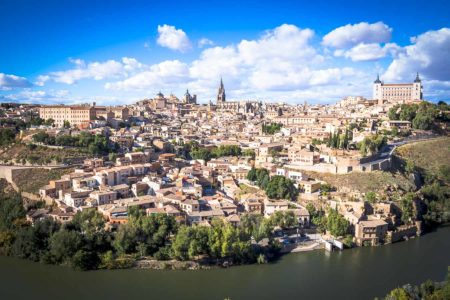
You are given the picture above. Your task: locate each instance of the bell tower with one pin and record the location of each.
(221, 93)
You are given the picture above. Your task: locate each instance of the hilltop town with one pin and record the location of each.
(237, 181)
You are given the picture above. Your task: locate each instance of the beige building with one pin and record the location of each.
(310, 187)
(77, 115)
(372, 231)
(301, 156)
(397, 92)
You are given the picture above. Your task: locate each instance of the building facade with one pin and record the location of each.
(78, 115)
(397, 92)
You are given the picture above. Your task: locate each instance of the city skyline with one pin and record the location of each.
(116, 53)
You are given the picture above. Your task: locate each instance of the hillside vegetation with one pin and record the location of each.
(429, 157)
(365, 182)
(41, 155)
(31, 180)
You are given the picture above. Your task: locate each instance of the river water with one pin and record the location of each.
(361, 273)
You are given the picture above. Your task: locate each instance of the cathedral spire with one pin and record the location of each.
(221, 92)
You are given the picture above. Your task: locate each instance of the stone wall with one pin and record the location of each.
(402, 232)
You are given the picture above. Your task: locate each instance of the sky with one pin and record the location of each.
(117, 52)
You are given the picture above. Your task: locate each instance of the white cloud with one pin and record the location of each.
(156, 76)
(286, 42)
(282, 59)
(172, 38)
(131, 64)
(92, 70)
(38, 96)
(368, 52)
(429, 55)
(283, 64)
(9, 81)
(77, 61)
(217, 61)
(352, 35)
(41, 80)
(52, 96)
(205, 42)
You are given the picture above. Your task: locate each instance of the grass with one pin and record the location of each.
(31, 180)
(376, 181)
(245, 189)
(427, 156)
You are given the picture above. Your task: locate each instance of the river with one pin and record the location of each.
(361, 273)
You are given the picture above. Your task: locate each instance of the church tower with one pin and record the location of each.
(221, 93)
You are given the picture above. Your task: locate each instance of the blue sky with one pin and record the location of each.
(121, 51)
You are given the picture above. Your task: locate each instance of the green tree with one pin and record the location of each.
(249, 152)
(11, 210)
(336, 223)
(271, 128)
(399, 294)
(64, 244)
(85, 260)
(394, 131)
(7, 136)
(393, 112)
(371, 197)
(407, 207)
(280, 187)
(49, 122)
(125, 240)
(201, 153)
(251, 175)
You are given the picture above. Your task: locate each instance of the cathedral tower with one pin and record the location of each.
(221, 93)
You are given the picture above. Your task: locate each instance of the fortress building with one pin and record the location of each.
(397, 92)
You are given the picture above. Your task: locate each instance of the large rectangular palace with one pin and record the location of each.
(397, 92)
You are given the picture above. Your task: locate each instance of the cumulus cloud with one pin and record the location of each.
(282, 64)
(172, 38)
(368, 52)
(38, 96)
(216, 61)
(9, 81)
(203, 42)
(92, 70)
(282, 59)
(285, 42)
(95, 70)
(41, 80)
(52, 96)
(351, 35)
(157, 76)
(428, 54)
